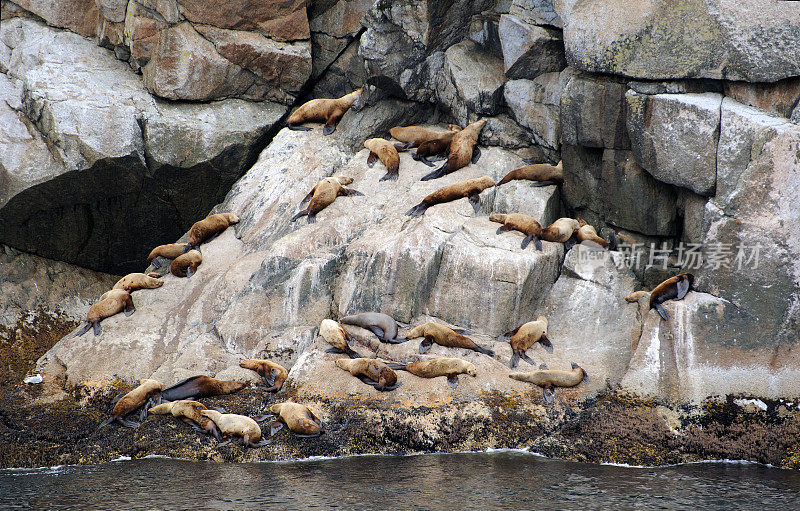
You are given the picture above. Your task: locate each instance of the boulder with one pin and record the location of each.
(780, 97)
(535, 105)
(335, 24)
(674, 137)
(280, 21)
(529, 50)
(719, 39)
(79, 16)
(594, 112)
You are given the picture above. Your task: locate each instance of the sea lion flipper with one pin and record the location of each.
(661, 311)
(352, 354)
(461, 331)
(612, 241)
(84, 329)
(452, 380)
(545, 341)
(484, 351)
(476, 154)
(417, 210)
(350, 191)
(425, 160)
(548, 393)
(330, 126)
(97, 328)
(475, 199)
(537, 184)
(300, 213)
(377, 331)
(295, 127)
(526, 240)
(308, 197)
(425, 345)
(514, 361)
(129, 424)
(156, 263)
(312, 218)
(683, 288)
(501, 229)
(569, 244)
(275, 427)
(106, 422)
(537, 243)
(543, 366)
(262, 418)
(527, 359)
(333, 350)
(395, 366)
(128, 312)
(226, 442)
(371, 159)
(398, 340)
(402, 147)
(367, 380)
(391, 175)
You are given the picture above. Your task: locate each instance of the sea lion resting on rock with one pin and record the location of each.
(674, 288)
(200, 386)
(470, 188)
(329, 111)
(444, 336)
(525, 336)
(189, 412)
(523, 223)
(144, 395)
(371, 371)
(135, 281)
(231, 424)
(300, 419)
(382, 325)
(335, 335)
(561, 230)
(185, 265)
(387, 152)
(442, 366)
(542, 172)
(414, 136)
(209, 227)
(463, 149)
(323, 194)
(273, 374)
(170, 251)
(587, 232)
(548, 379)
(110, 303)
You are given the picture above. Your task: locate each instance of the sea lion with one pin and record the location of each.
(544, 173)
(444, 336)
(209, 227)
(561, 230)
(463, 149)
(170, 251)
(674, 288)
(231, 424)
(470, 188)
(378, 323)
(413, 136)
(523, 223)
(636, 296)
(110, 303)
(328, 111)
(273, 374)
(300, 419)
(525, 336)
(134, 281)
(185, 265)
(371, 371)
(450, 367)
(337, 337)
(587, 232)
(323, 194)
(549, 378)
(189, 412)
(146, 393)
(200, 386)
(387, 152)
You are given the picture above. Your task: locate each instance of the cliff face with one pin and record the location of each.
(100, 163)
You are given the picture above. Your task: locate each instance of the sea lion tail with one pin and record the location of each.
(302, 212)
(417, 210)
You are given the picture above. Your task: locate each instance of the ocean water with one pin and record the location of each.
(475, 481)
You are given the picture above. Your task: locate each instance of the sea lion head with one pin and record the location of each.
(497, 217)
(344, 180)
(342, 363)
(233, 218)
(471, 369)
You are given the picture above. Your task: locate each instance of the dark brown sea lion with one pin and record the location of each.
(674, 288)
(523, 223)
(470, 188)
(329, 111)
(209, 227)
(144, 395)
(300, 419)
(170, 251)
(185, 265)
(525, 336)
(200, 386)
(548, 379)
(110, 303)
(382, 325)
(387, 152)
(542, 172)
(135, 281)
(371, 371)
(463, 149)
(444, 336)
(231, 424)
(189, 412)
(273, 374)
(336, 336)
(323, 195)
(442, 366)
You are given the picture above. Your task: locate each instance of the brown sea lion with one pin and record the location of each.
(523, 223)
(145, 394)
(548, 379)
(201, 386)
(382, 325)
(444, 336)
(544, 173)
(463, 149)
(300, 419)
(209, 227)
(587, 232)
(185, 265)
(470, 188)
(329, 111)
(335, 335)
(442, 366)
(189, 412)
(231, 424)
(561, 230)
(525, 336)
(134, 281)
(170, 251)
(674, 288)
(110, 303)
(323, 195)
(413, 136)
(636, 296)
(371, 371)
(387, 152)
(273, 374)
